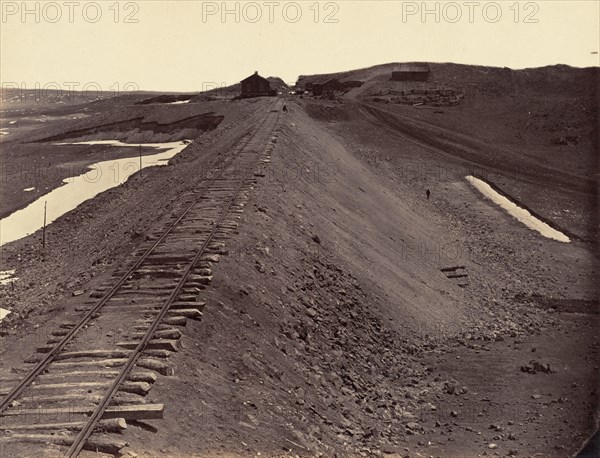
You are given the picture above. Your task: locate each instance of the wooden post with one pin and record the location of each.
(44, 230)
(140, 160)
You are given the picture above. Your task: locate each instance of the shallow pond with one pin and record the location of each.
(99, 177)
(517, 212)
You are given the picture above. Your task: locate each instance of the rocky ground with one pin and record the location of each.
(330, 329)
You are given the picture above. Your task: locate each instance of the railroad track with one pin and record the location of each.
(91, 376)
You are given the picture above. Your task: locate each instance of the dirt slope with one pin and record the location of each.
(317, 345)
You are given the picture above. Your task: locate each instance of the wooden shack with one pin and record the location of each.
(256, 86)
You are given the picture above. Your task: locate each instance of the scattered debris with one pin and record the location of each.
(534, 367)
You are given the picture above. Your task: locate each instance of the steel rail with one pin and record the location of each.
(46, 360)
(95, 417)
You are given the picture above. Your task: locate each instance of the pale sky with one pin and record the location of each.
(174, 47)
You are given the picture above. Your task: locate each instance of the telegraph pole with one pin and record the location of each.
(44, 230)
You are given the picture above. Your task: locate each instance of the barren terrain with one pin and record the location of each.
(331, 328)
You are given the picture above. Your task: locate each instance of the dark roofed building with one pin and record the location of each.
(256, 86)
(411, 72)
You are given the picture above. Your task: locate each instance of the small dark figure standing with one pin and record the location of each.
(285, 109)
(428, 193)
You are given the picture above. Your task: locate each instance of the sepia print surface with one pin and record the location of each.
(299, 228)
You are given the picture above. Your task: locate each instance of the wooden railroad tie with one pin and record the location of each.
(457, 272)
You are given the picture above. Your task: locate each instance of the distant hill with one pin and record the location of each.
(278, 84)
(362, 74)
(553, 106)
(557, 79)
